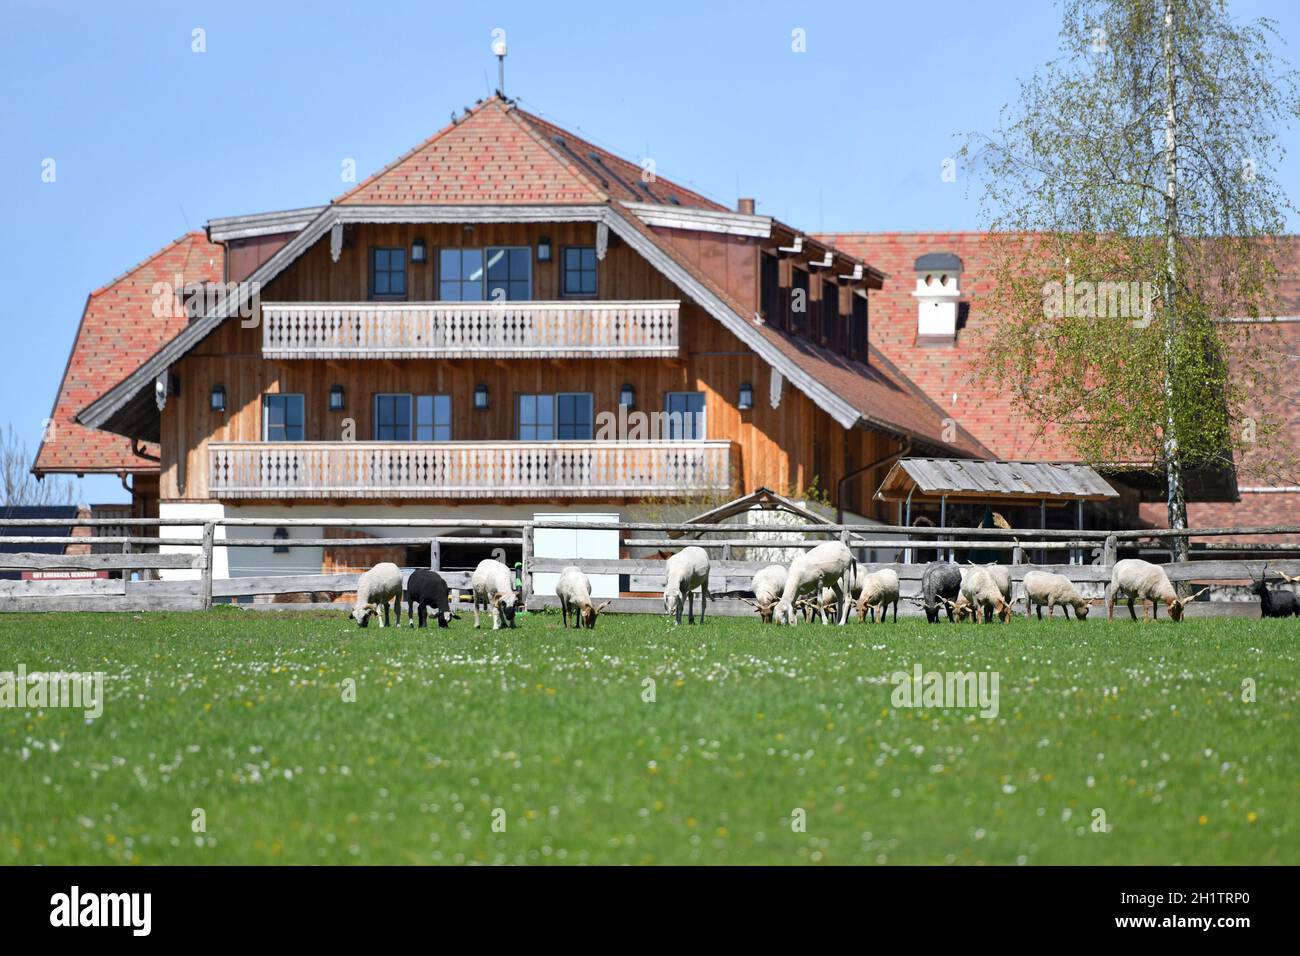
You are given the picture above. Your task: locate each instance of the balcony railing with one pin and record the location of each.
(566, 469)
(465, 330)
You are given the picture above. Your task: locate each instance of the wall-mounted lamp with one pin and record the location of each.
(218, 398)
(544, 249)
(746, 396)
(627, 397)
(480, 397)
(418, 253)
(338, 399)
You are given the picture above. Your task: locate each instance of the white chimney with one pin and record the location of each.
(938, 291)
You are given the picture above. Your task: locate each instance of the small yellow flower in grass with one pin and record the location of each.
(723, 832)
(248, 704)
(780, 736)
(1202, 819)
(679, 682)
(1252, 817)
(207, 707)
(691, 822)
(759, 716)
(550, 691)
(110, 839)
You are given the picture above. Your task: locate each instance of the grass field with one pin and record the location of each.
(243, 716)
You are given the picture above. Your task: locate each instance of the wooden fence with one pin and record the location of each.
(1087, 557)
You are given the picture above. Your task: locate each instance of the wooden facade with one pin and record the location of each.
(783, 448)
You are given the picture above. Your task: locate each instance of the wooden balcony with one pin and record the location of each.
(467, 330)
(562, 469)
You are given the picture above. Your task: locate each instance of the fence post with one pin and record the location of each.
(1110, 550)
(526, 559)
(205, 573)
(435, 555)
(126, 572)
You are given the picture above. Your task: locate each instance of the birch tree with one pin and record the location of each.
(1134, 206)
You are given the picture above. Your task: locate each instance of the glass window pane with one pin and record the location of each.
(274, 410)
(381, 259)
(397, 283)
(397, 259)
(498, 264)
(471, 267)
(442, 410)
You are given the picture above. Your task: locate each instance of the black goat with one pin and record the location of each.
(1275, 603)
(427, 589)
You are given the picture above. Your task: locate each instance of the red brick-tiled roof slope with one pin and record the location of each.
(499, 154)
(118, 332)
(944, 372)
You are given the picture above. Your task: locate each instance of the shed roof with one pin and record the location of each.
(993, 480)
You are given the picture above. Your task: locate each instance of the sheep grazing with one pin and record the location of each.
(378, 586)
(574, 591)
(879, 590)
(426, 589)
(823, 566)
(940, 588)
(768, 585)
(1001, 575)
(1044, 589)
(687, 570)
(1141, 580)
(494, 591)
(819, 606)
(981, 595)
(1275, 603)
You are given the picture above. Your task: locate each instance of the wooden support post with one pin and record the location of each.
(126, 549)
(435, 555)
(205, 572)
(1110, 550)
(526, 573)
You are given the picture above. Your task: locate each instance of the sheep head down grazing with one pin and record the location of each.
(686, 570)
(574, 591)
(768, 584)
(1139, 580)
(824, 566)
(375, 588)
(493, 586)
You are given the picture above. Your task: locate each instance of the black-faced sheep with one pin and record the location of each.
(378, 586)
(427, 589)
(940, 588)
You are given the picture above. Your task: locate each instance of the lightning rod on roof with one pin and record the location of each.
(499, 51)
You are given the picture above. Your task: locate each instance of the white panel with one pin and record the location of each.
(578, 545)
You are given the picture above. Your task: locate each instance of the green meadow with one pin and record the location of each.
(254, 738)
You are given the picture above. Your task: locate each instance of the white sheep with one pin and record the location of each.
(1141, 580)
(879, 590)
(375, 588)
(574, 591)
(768, 584)
(493, 585)
(1044, 589)
(980, 594)
(823, 566)
(687, 570)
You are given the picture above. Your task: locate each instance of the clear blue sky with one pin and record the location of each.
(152, 139)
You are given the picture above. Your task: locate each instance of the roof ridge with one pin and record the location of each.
(514, 112)
(534, 118)
(192, 234)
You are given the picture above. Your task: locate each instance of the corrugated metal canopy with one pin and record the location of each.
(993, 480)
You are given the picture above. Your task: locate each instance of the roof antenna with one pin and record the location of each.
(499, 51)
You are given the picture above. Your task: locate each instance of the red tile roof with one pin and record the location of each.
(498, 153)
(944, 371)
(118, 332)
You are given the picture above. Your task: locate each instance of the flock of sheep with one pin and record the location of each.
(825, 579)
